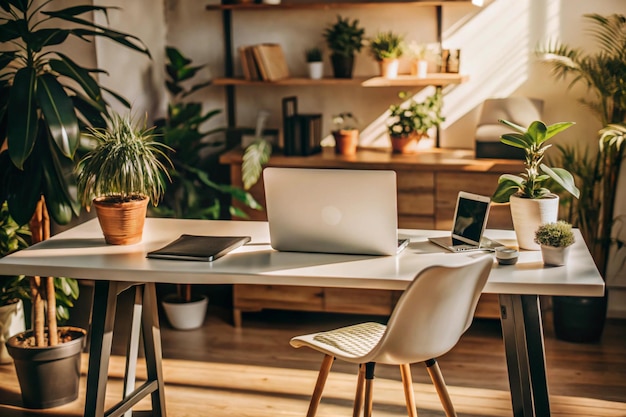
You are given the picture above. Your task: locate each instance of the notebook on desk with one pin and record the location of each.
(470, 219)
(332, 210)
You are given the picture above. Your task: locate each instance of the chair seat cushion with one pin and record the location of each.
(357, 340)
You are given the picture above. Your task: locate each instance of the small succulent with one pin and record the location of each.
(558, 235)
(313, 54)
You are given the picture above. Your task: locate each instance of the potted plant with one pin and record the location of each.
(46, 100)
(387, 48)
(315, 63)
(344, 39)
(555, 240)
(346, 133)
(532, 204)
(419, 54)
(13, 290)
(122, 173)
(410, 121)
(192, 193)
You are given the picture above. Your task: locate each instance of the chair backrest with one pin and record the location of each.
(433, 312)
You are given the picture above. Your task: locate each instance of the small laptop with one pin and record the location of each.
(332, 210)
(470, 219)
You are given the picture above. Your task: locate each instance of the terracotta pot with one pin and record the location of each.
(530, 213)
(389, 67)
(405, 144)
(121, 223)
(346, 141)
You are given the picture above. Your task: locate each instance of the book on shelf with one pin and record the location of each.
(264, 62)
(199, 248)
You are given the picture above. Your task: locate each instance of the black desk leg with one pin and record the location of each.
(102, 321)
(522, 331)
(145, 313)
(152, 345)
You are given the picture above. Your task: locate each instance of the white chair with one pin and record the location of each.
(428, 320)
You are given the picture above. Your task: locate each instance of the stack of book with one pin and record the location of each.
(263, 62)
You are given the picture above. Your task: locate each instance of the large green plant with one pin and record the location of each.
(46, 99)
(192, 192)
(532, 182)
(345, 37)
(604, 74)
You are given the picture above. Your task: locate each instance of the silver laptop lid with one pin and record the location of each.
(332, 210)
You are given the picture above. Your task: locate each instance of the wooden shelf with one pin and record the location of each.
(436, 79)
(333, 5)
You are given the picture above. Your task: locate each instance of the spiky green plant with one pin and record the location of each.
(387, 45)
(125, 164)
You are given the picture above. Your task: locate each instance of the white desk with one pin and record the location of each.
(81, 253)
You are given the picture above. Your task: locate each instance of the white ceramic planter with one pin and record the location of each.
(554, 256)
(11, 323)
(185, 316)
(316, 70)
(389, 68)
(528, 214)
(421, 70)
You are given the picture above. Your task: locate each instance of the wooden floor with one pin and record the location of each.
(220, 371)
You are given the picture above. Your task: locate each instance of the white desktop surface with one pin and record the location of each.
(82, 253)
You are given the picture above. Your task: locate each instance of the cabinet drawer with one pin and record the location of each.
(416, 194)
(258, 297)
(361, 301)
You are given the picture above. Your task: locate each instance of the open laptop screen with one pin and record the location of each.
(470, 218)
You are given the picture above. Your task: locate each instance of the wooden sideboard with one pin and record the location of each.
(428, 184)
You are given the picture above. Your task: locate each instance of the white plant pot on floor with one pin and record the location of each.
(182, 315)
(11, 323)
(528, 214)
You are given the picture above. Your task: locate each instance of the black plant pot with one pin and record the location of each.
(342, 65)
(48, 376)
(579, 319)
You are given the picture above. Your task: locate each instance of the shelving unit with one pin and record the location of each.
(437, 79)
(229, 81)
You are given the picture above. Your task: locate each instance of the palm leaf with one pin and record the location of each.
(58, 110)
(22, 116)
(256, 155)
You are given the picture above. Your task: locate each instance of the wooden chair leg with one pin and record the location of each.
(440, 386)
(358, 398)
(369, 388)
(327, 362)
(407, 384)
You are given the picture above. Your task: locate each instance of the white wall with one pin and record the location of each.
(497, 43)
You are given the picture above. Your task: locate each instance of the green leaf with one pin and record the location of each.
(515, 139)
(65, 66)
(11, 30)
(537, 132)
(507, 186)
(255, 156)
(58, 110)
(563, 178)
(22, 116)
(24, 190)
(6, 58)
(46, 37)
(557, 128)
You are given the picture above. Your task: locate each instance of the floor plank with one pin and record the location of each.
(221, 371)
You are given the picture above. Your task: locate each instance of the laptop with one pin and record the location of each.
(332, 210)
(470, 219)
